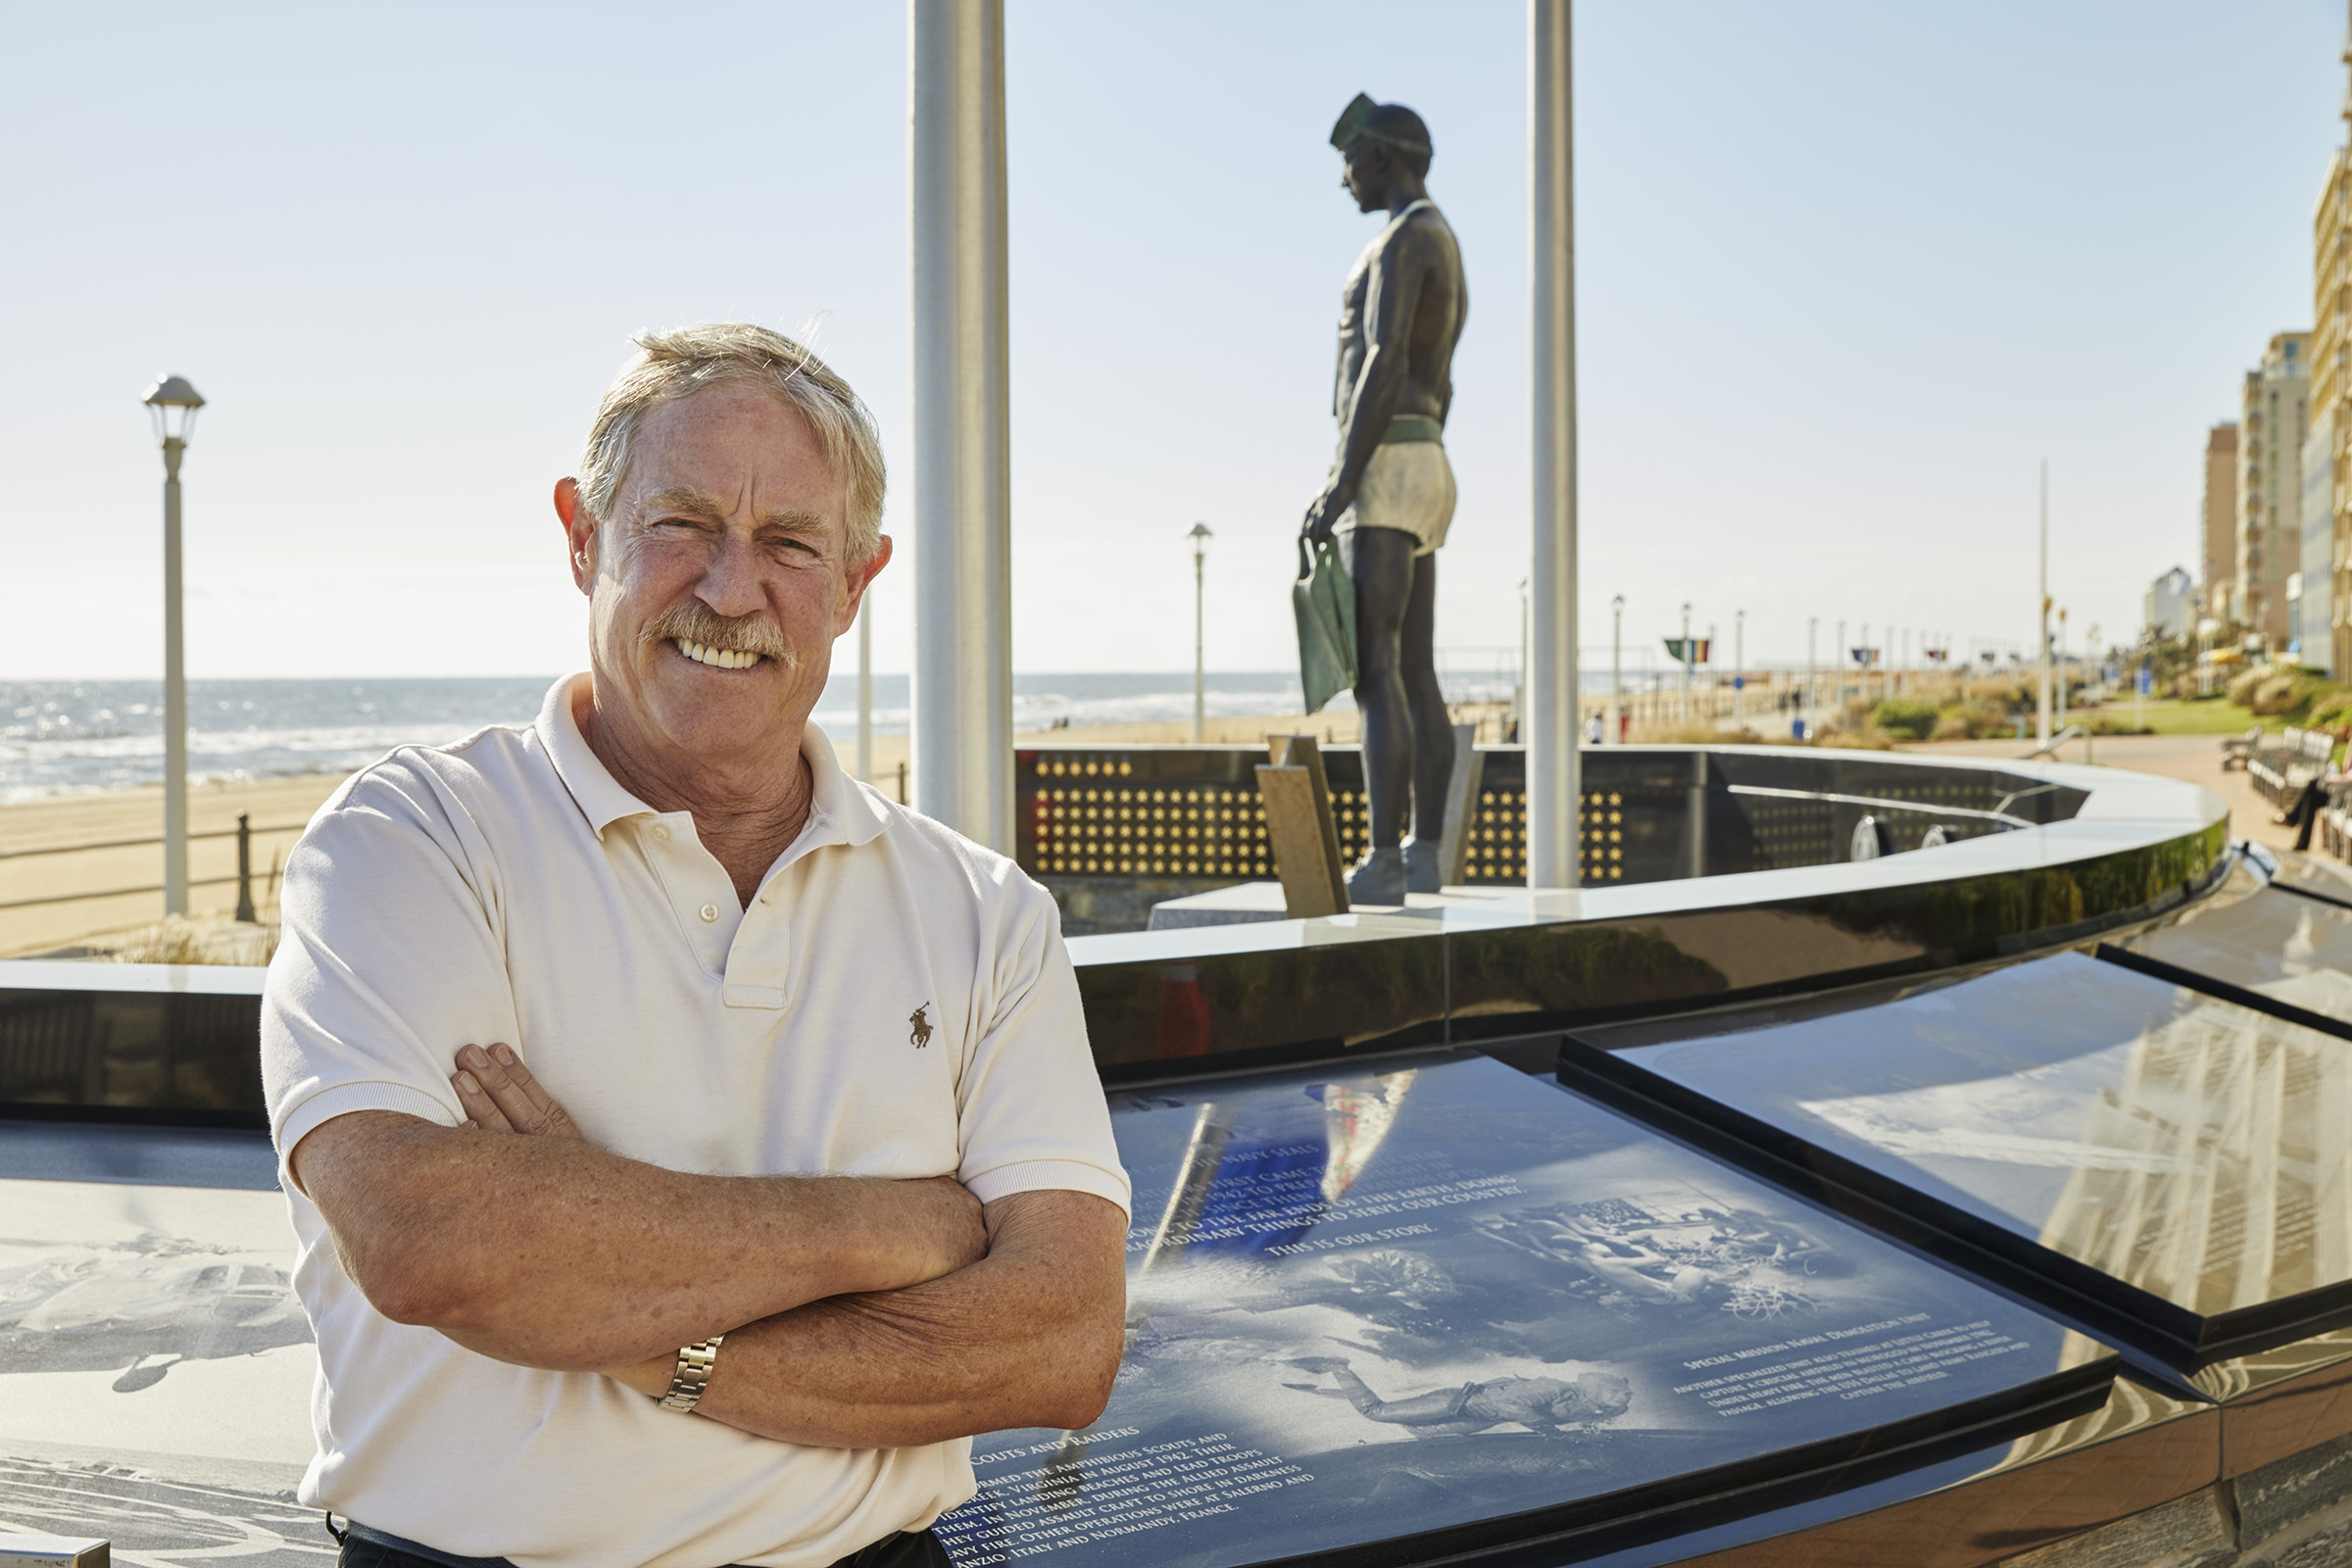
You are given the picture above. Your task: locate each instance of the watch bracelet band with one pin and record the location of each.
(693, 1375)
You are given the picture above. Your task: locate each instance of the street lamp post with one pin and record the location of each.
(1200, 536)
(1812, 668)
(1714, 680)
(1837, 660)
(1738, 667)
(2059, 660)
(1616, 668)
(173, 403)
(1690, 656)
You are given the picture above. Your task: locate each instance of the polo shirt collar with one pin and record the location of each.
(838, 812)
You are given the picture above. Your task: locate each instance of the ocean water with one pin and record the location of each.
(62, 737)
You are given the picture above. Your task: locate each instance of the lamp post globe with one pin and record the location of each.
(172, 404)
(1200, 538)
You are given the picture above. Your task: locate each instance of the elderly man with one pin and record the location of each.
(807, 1178)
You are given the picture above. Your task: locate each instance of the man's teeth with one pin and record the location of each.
(723, 658)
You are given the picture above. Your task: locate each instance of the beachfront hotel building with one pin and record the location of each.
(2272, 415)
(2328, 570)
(2220, 521)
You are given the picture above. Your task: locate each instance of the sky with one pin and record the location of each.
(1846, 272)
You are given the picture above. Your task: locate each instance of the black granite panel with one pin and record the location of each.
(1444, 1308)
(1513, 980)
(184, 1057)
(1288, 1004)
(2163, 1165)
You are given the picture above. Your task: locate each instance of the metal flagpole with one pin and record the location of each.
(1554, 788)
(963, 697)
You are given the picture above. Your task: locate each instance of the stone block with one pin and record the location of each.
(2281, 1493)
(2192, 1532)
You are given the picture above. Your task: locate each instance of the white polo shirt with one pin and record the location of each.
(896, 1002)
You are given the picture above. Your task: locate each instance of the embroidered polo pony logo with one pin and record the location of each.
(918, 1027)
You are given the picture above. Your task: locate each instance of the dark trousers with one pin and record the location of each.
(2310, 801)
(921, 1550)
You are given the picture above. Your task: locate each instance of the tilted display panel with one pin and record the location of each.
(2169, 1168)
(1443, 1310)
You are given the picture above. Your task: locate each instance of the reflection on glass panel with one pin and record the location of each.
(2183, 1145)
(2321, 878)
(2295, 948)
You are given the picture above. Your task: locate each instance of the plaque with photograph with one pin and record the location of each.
(2168, 1168)
(1441, 1308)
(156, 1369)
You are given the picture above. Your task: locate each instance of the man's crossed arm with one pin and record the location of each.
(858, 1312)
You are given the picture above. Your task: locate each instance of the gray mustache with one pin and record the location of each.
(742, 634)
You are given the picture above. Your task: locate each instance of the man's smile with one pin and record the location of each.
(719, 657)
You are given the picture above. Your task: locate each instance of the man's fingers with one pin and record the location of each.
(526, 1107)
(480, 1109)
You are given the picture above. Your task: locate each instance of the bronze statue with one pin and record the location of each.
(1391, 493)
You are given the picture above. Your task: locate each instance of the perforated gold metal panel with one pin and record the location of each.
(1094, 818)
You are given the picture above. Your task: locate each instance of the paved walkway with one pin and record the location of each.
(2194, 758)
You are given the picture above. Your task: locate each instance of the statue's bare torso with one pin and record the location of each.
(1406, 288)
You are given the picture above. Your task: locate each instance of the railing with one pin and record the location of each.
(243, 833)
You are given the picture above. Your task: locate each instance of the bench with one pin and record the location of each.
(2280, 771)
(2237, 747)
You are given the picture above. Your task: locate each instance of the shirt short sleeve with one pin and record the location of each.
(1031, 1105)
(387, 962)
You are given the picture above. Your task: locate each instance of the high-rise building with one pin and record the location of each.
(2166, 606)
(2273, 416)
(2331, 400)
(2220, 521)
(2315, 636)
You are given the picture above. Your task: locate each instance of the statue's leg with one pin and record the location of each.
(1432, 726)
(1380, 562)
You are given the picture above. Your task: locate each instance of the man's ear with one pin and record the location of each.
(579, 533)
(855, 586)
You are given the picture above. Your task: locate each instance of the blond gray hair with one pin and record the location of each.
(677, 363)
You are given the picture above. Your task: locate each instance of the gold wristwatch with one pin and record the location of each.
(693, 1375)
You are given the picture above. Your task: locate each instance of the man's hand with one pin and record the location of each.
(1028, 1336)
(500, 1096)
(1323, 515)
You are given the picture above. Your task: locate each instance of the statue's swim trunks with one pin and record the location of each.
(1408, 485)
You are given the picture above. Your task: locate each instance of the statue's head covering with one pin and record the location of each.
(1389, 124)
